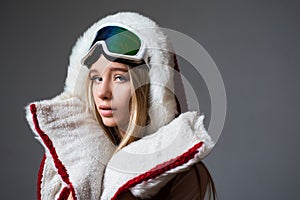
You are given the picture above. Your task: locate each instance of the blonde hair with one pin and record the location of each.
(139, 80)
(139, 104)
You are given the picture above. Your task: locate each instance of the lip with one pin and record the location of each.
(106, 111)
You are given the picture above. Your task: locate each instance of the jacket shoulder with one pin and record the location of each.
(188, 185)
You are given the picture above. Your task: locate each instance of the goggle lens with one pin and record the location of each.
(119, 40)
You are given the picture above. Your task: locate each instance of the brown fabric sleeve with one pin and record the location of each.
(188, 185)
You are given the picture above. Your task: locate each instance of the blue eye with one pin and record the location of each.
(96, 79)
(121, 78)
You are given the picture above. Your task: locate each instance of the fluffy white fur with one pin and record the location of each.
(162, 106)
(80, 144)
(52, 184)
(168, 142)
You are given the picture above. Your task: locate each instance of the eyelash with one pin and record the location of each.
(121, 78)
(95, 79)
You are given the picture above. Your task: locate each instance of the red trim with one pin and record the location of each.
(40, 176)
(159, 169)
(64, 194)
(62, 171)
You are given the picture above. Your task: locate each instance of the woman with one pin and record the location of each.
(134, 141)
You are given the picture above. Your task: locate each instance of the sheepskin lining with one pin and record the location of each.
(62, 171)
(159, 169)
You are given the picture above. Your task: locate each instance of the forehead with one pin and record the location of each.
(103, 63)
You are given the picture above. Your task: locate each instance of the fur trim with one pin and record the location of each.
(162, 102)
(64, 194)
(58, 164)
(40, 177)
(73, 141)
(158, 176)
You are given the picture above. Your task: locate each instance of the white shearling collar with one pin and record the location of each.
(146, 165)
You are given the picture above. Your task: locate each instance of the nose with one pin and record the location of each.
(104, 90)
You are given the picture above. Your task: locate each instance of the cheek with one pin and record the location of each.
(122, 95)
(94, 93)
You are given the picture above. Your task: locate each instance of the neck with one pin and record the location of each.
(121, 131)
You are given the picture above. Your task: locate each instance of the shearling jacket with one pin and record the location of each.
(80, 159)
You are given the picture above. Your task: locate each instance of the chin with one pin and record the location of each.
(109, 122)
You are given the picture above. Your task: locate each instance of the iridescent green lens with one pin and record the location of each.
(119, 40)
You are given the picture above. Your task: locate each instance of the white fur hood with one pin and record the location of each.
(163, 107)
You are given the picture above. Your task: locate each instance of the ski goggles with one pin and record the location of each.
(118, 41)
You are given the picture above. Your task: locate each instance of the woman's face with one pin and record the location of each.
(111, 90)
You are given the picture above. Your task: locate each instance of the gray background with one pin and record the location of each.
(255, 45)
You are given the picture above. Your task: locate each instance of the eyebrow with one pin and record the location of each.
(111, 69)
(118, 69)
(93, 71)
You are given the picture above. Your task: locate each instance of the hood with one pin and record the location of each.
(162, 62)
